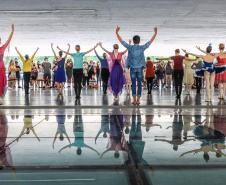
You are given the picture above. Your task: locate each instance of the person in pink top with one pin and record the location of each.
(116, 62)
(3, 80)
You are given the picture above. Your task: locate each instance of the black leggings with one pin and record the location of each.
(105, 77)
(27, 78)
(149, 83)
(178, 78)
(77, 74)
(198, 82)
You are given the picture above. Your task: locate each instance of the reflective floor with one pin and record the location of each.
(114, 145)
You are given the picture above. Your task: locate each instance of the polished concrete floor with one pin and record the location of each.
(118, 143)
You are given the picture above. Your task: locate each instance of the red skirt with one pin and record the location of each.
(3, 82)
(220, 78)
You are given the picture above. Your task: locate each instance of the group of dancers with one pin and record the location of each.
(117, 68)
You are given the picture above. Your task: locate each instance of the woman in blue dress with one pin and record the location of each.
(60, 76)
(209, 70)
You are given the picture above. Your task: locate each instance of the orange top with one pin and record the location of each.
(149, 71)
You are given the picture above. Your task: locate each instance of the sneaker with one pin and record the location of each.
(19, 87)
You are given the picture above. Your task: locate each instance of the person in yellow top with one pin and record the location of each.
(27, 126)
(26, 68)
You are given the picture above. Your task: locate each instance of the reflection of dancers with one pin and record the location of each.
(61, 129)
(28, 126)
(149, 122)
(177, 132)
(5, 152)
(104, 127)
(3, 80)
(136, 144)
(116, 140)
(209, 137)
(79, 136)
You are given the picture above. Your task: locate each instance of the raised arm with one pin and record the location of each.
(67, 50)
(103, 48)
(21, 57)
(195, 151)
(54, 52)
(55, 138)
(201, 49)
(34, 54)
(89, 147)
(63, 51)
(33, 130)
(64, 148)
(9, 39)
(153, 38)
(200, 56)
(91, 49)
(118, 36)
(68, 138)
(98, 56)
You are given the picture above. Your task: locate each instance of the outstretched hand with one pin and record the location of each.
(117, 29)
(16, 48)
(12, 27)
(37, 48)
(184, 50)
(100, 44)
(130, 41)
(198, 47)
(52, 45)
(67, 44)
(155, 29)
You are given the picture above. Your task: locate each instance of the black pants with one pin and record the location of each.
(77, 74)
(149, 83)
(105, 77)
(85, 80)
(53, 82)
(27, 78)
(198, 82)
(178, 78)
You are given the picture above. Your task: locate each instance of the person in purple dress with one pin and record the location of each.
(60, 76)
(116, 62)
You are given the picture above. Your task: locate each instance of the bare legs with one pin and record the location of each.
(128, 89)
(222, 89)
(60, 87)
(188, 88)
(210, 78)
(34, 84)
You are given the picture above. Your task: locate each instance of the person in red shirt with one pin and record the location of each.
(150, 74)
(178, 71)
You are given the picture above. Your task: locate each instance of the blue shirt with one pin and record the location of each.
(136, 57)
(104, 62)
(78, 60)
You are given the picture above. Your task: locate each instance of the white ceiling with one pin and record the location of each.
(181, 23)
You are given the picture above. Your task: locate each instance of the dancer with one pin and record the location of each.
(3, 80)
(136, 62)
(78, 68)
(26, 69)
(60, 76)
(188, 74)
(104, 71)
(150, 74)
(209, 70)
(198, 80)
(61, 129)
(117, 64)
(220, 79)
(178, 71)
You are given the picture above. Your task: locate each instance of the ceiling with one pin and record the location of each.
(181, 23)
